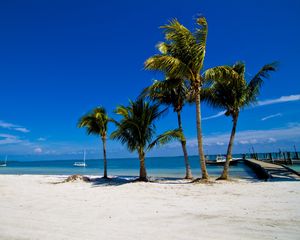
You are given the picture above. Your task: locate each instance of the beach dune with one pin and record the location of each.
(32, 207)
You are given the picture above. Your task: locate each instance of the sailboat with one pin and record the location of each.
(81, 164)
(4, 164)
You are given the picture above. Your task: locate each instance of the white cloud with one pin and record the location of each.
(7, 125)
(271, 116)
(271, 140)
(21, 129)
(251, 137)
(12, 126)
(38, 150)
(219, 114)
(282, 99)
(293, 124)
(41, 139)
(9, 139)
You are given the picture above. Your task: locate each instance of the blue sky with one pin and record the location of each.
(59, 59)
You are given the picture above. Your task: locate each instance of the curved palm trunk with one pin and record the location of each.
(225, 173)
(143, 172)
(188, 171)
(199, 135)
(104, 158)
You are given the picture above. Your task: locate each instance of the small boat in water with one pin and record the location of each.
(4, 164)
(220, 160)
(81, 164)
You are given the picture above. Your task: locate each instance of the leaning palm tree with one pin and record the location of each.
(96, 123)
(231, 92)
(172, 92)
(182, 56)
(137, 128)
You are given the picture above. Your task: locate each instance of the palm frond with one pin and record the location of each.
(169, 92)
(95, 122)
(183, 52)
(179, 35)
(227, 89)
(163, 47)
(220, 72)
(201, 37)
(257, 81)
(169, 65)
(166, 137)
(122, 110)
(213, 98)
(137, 125)
(239, 67)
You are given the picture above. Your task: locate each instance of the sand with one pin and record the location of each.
(32, 207)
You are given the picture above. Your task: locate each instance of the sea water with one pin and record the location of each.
(156, 167)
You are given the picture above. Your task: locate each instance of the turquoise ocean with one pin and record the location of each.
(169, 167)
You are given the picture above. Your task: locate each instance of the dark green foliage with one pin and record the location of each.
(95, 122)
(230, 90)
(137, 128)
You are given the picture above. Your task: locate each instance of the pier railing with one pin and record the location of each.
(267, 171)
(287, 158)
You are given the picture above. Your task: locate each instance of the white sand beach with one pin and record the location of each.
(32, 207)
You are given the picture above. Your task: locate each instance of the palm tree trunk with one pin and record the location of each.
(104, 157)
(143, 172)
(199, 135)
(188, 171)
(225, 173)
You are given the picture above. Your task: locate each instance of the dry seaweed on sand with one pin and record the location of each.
(74, 178)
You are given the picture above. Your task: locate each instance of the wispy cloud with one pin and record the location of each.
(14, 127)
(282, 99)
(290, 133)
(271, 116)
(38, 150)
(219, 114)
(9, 139)
(7, 125)
(41, 139)
(252, 137)
(21, 129)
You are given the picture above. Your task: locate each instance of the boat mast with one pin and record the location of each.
(84, 156)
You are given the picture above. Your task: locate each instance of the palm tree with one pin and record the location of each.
(96, 123)
(172, 92)
(137, 127)
(182, 56)
(231, 92)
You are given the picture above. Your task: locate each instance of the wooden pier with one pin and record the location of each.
(271, 171)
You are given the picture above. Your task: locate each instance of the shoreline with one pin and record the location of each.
(131, 178)
(170, 168)
(32, 207)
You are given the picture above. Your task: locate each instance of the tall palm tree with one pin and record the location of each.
(96, 123)
(172, 92)
(231, 92)
(182, 56)
(137, 128)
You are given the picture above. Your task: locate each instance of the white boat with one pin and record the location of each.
(81, 164)
(220, 159)
(4, 164)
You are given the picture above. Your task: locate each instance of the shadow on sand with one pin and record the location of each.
(121, 180)
(112, 181)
